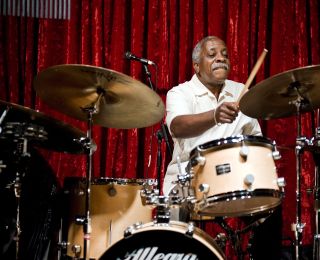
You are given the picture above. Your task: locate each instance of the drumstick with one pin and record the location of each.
(253, 73)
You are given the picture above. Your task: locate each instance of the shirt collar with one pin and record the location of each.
(199, 89)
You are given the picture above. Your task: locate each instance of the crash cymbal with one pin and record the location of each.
(42, 130)
(275, 97)
(121, 101)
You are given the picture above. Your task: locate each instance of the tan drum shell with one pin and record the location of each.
(115, 205)
(225, 189)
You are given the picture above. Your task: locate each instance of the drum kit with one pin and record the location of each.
(113, 218)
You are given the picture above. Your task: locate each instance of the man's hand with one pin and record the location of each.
(226, 112)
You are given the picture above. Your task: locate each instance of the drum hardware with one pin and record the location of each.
(244, 151)
(234, 236)
(85, 220)
(3, 116)
(315, 144)
(22, 134)
(162, 204)
(275, 152)
(62, 247)
(298, 227)
(76, 249)
(2, 165)
(159, 157)
(221, 240)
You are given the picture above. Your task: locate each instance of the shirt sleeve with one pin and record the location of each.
(178, 103)
(252, 128)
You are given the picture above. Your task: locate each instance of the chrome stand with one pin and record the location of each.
(316, 156)
(90, 148)
(300, 141)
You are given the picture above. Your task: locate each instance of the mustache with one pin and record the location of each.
(220, 65)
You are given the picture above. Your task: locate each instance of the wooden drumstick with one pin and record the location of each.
(253, 73)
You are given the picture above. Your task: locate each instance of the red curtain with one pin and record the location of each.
(165, 31)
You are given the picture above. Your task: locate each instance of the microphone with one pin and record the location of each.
(128, 55)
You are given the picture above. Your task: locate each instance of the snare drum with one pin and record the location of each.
(173, 240)
(235, 176)
(115, 205)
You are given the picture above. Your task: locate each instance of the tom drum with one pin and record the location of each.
(235, 176)
(115, 205)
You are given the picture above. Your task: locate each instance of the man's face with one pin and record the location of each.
(214, 64)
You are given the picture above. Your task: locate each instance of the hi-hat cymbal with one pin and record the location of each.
(276, 96)
(121, 101)
(53, 134)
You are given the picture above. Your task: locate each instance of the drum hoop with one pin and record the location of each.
(232, 141)
(107, 180)
(243, 194)
(202, 236)
(123, 181)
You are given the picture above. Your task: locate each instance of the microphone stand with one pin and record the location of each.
(163, 130)
(159, 158)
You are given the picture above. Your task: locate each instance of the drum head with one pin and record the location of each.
(164, 241)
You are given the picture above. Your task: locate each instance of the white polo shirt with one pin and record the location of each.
(192, 97)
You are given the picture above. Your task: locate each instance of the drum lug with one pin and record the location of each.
(248, 180)
(221, 240)
(63, 245)
(244, 151)
(130, 230)
(190, 230)
(79, 220)
(76, 250)
(275, 153)
(204, 188)
(281, 182)
(200, 160)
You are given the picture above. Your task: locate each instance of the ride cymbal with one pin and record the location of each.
(277, 96)
(120, 101)
(21, 122)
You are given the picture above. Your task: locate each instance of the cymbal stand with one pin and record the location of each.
(22, 153)
(90, 149)
(316, 158)
(234, 235)
(298, 226)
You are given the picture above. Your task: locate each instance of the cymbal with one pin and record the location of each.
(121, 101)
(275, 97)
(56, 135)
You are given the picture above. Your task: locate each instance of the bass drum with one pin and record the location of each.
(175, 240)
(115, 205)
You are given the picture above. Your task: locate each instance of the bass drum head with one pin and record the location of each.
(165, 241)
